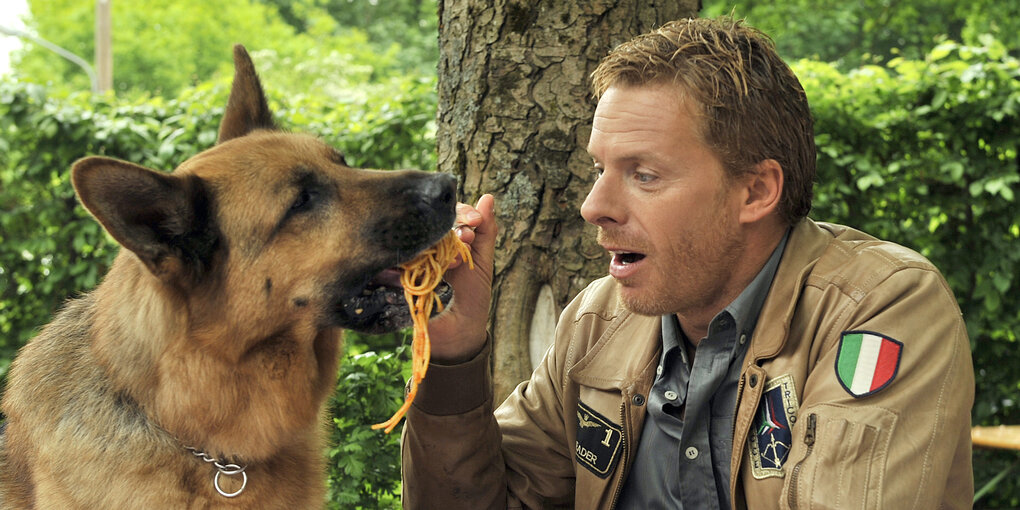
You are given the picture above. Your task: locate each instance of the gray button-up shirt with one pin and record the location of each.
(683, 458)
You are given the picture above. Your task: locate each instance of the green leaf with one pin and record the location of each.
(1002, 282)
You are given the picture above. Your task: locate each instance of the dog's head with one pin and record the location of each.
(270, 228)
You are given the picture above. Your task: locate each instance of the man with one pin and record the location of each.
(738, 354)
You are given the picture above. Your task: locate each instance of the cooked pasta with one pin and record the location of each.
(419, 278)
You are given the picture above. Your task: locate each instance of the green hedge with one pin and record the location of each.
(924, 153)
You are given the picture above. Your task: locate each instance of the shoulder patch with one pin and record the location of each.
(597, 447)
(867, 362)
(772, 428)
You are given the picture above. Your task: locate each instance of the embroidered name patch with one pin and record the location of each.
(867, 362)
(772, 429)
(598, 441)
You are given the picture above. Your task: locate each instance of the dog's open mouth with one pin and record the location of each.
(380, 306)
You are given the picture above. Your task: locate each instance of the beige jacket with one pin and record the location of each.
(566, 438)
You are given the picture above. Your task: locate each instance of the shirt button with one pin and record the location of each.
(743, 339)
(691, 453)
(670, 395)
(658, 370)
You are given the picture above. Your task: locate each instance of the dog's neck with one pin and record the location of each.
(224, 469)
(197, 392)
(135, 320)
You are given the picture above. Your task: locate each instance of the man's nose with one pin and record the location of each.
(603, 205)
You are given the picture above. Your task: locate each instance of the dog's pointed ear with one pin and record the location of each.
(166, 220)
(247, 109)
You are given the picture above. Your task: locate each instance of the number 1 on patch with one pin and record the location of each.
(609, 435)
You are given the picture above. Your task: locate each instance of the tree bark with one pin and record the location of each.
(514, 118)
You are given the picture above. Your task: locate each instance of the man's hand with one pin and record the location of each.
(458, 333)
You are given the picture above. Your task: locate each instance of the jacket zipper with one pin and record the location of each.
(809, 440)
(735, 469)
(623, 459)
(740, 393)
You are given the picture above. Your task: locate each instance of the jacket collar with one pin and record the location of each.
(807, 242)
(622, 354)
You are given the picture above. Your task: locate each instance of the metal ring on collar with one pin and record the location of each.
(230, 470)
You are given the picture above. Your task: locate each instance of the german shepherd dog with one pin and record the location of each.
(195, 374)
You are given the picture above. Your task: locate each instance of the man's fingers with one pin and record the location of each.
(468, 216)
(465, 233)
(469, 219)
(459, 332)
(486, 209)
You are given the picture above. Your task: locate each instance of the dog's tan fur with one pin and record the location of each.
(217, 325)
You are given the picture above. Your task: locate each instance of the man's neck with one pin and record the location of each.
(695, 323)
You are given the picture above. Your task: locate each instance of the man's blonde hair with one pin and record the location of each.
(753, 107)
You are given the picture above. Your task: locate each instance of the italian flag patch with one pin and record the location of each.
(867, 362)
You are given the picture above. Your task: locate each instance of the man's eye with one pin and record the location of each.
(644, 178)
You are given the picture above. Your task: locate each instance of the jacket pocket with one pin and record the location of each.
(838, 459)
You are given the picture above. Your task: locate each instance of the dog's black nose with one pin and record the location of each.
(423, 208)
(438, 192)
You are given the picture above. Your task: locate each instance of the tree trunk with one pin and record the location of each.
(514, 118)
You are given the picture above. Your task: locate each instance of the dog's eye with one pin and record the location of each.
(303, 201)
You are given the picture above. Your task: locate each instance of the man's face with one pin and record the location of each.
(663, 206)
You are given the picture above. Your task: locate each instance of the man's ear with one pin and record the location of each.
(763, 189)
(166, 220)
(247, 109)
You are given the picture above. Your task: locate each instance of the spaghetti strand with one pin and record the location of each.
(420, 277)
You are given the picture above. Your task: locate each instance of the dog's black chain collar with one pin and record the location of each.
(222, 469)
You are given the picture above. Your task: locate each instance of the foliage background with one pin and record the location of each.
(916, 106)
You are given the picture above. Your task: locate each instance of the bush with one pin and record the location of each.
(365, 464)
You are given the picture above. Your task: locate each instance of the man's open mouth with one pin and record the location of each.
(625, 264)
(625, 258)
